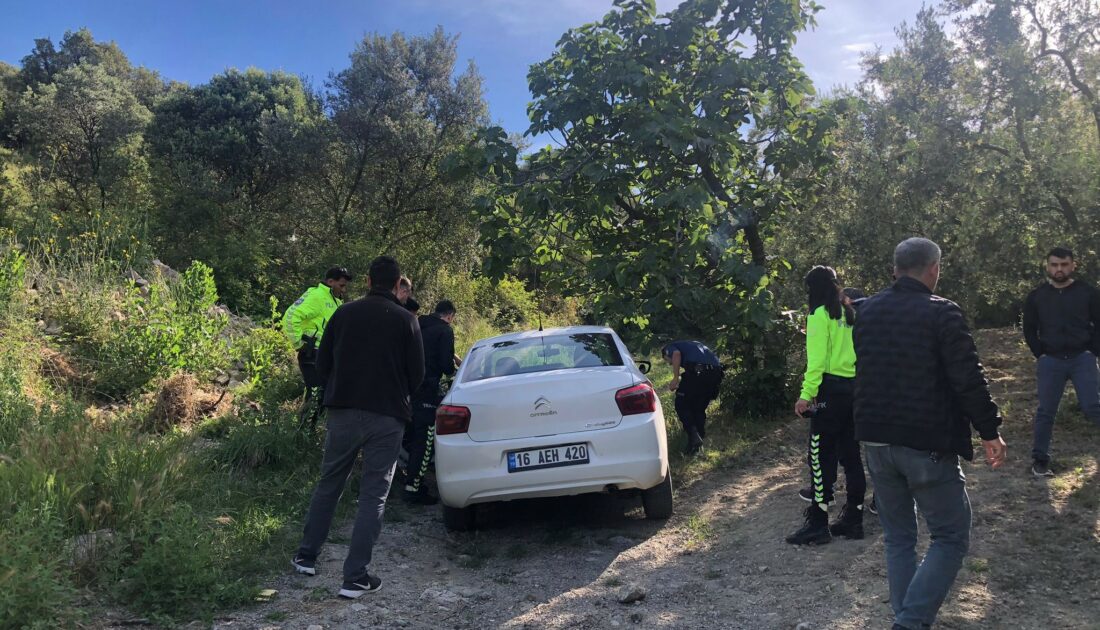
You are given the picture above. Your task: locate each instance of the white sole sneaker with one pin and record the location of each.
(356, 594)
(304, 570)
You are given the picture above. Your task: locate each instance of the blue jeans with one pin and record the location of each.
(351, 431)
(903, 475)
(1052, 373)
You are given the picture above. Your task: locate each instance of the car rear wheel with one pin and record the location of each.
(657, 501)
(458, 519)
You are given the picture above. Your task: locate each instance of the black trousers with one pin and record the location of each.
(313, 404)
(421, 435)
(694, 394)
(833, 441)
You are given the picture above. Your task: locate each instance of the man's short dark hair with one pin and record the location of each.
(1060, 252)
(853, 293)
(412, 305)
(384, 273)
(338, 273)
(445, 307)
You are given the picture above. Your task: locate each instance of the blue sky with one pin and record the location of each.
(192, 40)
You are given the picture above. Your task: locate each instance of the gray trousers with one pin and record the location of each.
(349, 432)
(937, 485)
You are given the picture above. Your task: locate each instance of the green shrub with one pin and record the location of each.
(172, 327)
(179, 569)
(267, 439)
(36, 590)
(13, 269)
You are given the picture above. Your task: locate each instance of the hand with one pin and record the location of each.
(673, 384)
(801, 406)
(458, 361)
(995, 451)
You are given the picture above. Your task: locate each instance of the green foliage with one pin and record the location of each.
(970, 139)
(13, 268)
(169, 327)
(657, 205)
(35, 591)
(266, 439)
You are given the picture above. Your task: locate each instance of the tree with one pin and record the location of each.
(85, 131)
(978, 141)
(231, 159)
(398, 110)
(682, 140)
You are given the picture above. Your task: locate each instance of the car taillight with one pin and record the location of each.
(451, 419)
(637, 399)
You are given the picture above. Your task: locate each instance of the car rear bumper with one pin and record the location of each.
(633, 454)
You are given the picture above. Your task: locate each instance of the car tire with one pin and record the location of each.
(657, 501)
(458, 519)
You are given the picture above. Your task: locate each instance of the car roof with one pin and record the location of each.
(549, 332)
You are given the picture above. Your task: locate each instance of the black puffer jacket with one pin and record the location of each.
(918, 378)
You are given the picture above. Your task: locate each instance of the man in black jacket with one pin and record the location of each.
(919, 387)
(439, 361)
(1062, 329)
(371, 357)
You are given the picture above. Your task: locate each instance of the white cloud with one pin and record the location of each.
(858, 47)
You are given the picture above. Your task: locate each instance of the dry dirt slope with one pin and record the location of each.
(721, 561)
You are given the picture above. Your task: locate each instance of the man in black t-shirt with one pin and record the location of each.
(702, 375)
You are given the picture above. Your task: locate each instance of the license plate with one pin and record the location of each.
(547, 457)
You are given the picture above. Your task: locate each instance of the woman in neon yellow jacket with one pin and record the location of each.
(826, 399)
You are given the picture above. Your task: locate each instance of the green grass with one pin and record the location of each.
(978, 565)
(729, 436)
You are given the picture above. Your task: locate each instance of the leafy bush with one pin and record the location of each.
(171, 327)
(267, 439)
(179, 568)
(13, 269)
(35, 590)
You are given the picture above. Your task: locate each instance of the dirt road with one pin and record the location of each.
(721, 562)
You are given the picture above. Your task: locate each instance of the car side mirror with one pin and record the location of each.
(644, 367)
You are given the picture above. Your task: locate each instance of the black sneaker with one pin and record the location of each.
(419, 497)
(304, 566)
(806, 494)
(1041, 469)
(872, 507)
(354, 590)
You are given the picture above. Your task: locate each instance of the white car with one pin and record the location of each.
(550, 413)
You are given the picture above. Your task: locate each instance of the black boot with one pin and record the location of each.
(815, 531)
(850, 523)
(695, 442)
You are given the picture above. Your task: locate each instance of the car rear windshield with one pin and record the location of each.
(541, 354)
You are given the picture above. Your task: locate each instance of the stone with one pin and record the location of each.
(315, 626)
(266, 595)
(221, 379)
(440, 596)
(358, 607)
(631, 594)
(636, 617)
(234, 384)
(805, 625)
(467, 591)
(53, 329)
(167, 272)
